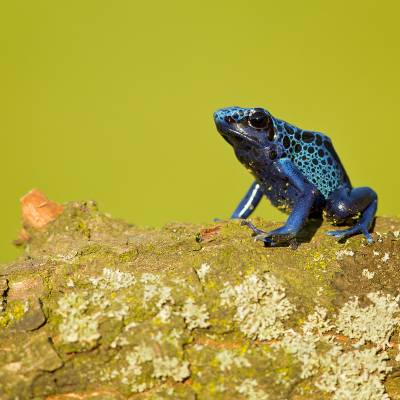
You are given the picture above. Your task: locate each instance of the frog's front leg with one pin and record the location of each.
(249, 202)
(345, 203)
(308, 193)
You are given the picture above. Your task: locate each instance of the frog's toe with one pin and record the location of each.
(263, 237)
(368, 236)
(273, 238)
(277, 241)
(336, 234)
(281, 235)
(341, 234)
(344, 234)
(250, 225)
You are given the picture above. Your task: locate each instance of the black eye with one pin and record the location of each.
(259, 119)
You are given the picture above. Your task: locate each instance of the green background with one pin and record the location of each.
(113, 100)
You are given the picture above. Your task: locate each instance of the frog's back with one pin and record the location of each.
(314, 155)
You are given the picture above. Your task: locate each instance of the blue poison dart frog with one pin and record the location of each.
(298, 171)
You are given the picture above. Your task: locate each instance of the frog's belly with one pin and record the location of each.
(280, 193)
(283, 196)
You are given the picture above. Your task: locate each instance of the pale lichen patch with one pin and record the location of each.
(304, 345)
(82, 310)
(133, 369)
(318, 322)
(367, 274)
(195, 316)
(260, 304)
(157, 296)
(202, 271)
(149, 278)
(355, 375)
(385, 257)
(144, 362)
(77, 325)
(342, 253)
(227, 359)
(165, 367)
(249, 389)
(113, 280)
(374, 323)
(304, 348)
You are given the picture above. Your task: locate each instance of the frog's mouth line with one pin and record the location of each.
(227, 133)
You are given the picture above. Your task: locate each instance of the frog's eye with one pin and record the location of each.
(259, 119)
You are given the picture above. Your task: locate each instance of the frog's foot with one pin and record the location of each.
(277, 237)
(258, 234)
(256, 231)
(355, 230)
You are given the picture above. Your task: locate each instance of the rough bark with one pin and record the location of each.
(97, 308)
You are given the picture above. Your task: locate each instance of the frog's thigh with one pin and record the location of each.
(345, 202)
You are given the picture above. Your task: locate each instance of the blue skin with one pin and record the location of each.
(298, 171)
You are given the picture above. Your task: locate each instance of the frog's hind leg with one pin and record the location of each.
(346, 203)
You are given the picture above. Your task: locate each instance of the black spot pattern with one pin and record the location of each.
(271, 134)
(313, 154)
(307, 136)
(286, 142)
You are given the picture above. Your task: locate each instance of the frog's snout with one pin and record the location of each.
(216, 116)
(227, 116)
(221, 120)
(219, 115)
(226, 113)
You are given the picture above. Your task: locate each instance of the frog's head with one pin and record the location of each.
(249, 131)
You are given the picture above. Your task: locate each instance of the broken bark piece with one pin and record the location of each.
(208, 234)
(38, 210)
(27, 357)
(33, 318)
(23, 237)
(25, 288)
(94, 395)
